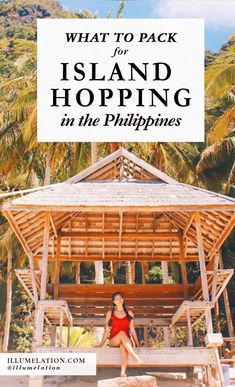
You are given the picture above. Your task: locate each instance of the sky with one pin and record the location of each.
(218, 14)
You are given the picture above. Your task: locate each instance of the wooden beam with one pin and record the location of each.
(215, 278)
(124, 257)
(53, 224)
(45, 257)
(33, 279)
(227, 230)
(128, 208)
(8, 215)
(97, 321)
(190, 334)
(116, 235)
(202, 265)
(148, 301)
(201, 254)
(137, 310)
(183, 264)
(188, 225)
(61, 328)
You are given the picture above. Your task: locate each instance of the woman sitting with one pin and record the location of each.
(119, 327)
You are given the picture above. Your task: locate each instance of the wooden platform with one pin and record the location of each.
(152, 357)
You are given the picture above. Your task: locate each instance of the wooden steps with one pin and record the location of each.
(57, 312)
(24, 277)
(223, 276)
(195, 309)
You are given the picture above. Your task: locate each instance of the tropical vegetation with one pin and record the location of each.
(25, 163)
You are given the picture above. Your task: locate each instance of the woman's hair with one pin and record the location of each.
(114, 306)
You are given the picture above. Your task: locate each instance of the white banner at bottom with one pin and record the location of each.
(48, 364)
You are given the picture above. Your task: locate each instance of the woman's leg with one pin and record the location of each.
(122, 338)
(124, 359)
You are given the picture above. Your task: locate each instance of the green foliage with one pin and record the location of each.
(21, 321)
(79, 337)
(23, 160)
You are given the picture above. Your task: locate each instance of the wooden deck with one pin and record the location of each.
(152, 357)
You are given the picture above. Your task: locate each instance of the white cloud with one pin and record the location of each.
(217, 13)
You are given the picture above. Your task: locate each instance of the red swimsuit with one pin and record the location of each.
(119, 324)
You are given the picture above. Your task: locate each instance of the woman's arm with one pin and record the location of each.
(132, 329)
(107, 329)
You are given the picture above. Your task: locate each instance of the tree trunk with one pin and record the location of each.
(77, 275)
(165, 276)
(226, 302)
(8, 302)
(112, 274)
(47, 177)
(94, 152)
(99, 274)
(130, 272)
(144, 271)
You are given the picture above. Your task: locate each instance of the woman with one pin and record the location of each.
(119, 324)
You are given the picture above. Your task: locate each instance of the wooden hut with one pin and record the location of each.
(123, 209)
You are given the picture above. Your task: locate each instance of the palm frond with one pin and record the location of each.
(217, 155)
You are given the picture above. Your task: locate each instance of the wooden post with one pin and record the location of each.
(165, 280)
(61, 328)
(38, 321)
(215, 275)
(217, 319)
(144, 271)
(174, 335)
(53, 335)
(34, 284)
(68, 336)
(219, 368)
(45, 257)
(190, 334)
(226, 302)
(57, 268)
(39, 312)
(183, 265)
(202, 264)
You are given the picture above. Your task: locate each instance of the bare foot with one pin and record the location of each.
(137, 360)
(123, 376)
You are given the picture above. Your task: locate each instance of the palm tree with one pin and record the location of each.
(8, 244)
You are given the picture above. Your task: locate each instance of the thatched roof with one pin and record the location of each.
(123, 208)
(122, 180)
(124, 194)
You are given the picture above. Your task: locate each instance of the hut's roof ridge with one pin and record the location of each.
(153, 172)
